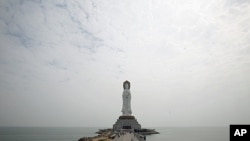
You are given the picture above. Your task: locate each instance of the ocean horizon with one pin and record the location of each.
(74, 133)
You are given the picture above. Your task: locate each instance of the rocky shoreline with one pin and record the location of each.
(108, 134)
(103, 135)
(143, 131)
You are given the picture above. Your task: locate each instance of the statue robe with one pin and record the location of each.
(126, 107)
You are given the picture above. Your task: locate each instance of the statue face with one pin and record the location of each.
(126, 86)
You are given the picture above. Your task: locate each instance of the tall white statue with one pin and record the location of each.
(126, 97)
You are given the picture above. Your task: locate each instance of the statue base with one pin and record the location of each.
(126, 122)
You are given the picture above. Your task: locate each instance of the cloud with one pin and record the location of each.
(73, 56)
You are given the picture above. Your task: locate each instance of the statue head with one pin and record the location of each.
(126, 84)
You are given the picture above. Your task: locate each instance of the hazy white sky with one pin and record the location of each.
(62, 63)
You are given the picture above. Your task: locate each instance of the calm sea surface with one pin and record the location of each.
(74, 133)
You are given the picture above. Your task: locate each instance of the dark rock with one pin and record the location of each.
(85, 139)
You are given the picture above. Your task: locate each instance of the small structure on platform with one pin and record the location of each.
(126, 122)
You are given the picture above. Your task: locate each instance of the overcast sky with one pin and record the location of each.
(62, 63)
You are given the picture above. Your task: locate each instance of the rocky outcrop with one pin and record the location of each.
(86, 139)
(104, 135)
(102, 131)
(147, 131)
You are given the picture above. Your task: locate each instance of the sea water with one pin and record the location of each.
(74, 133)
(45, 133)
(191, 134)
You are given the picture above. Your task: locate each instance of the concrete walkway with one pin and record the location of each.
(127, 137)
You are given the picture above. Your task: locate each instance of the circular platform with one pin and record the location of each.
(126, 117)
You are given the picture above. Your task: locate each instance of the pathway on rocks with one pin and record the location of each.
(126, 137)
